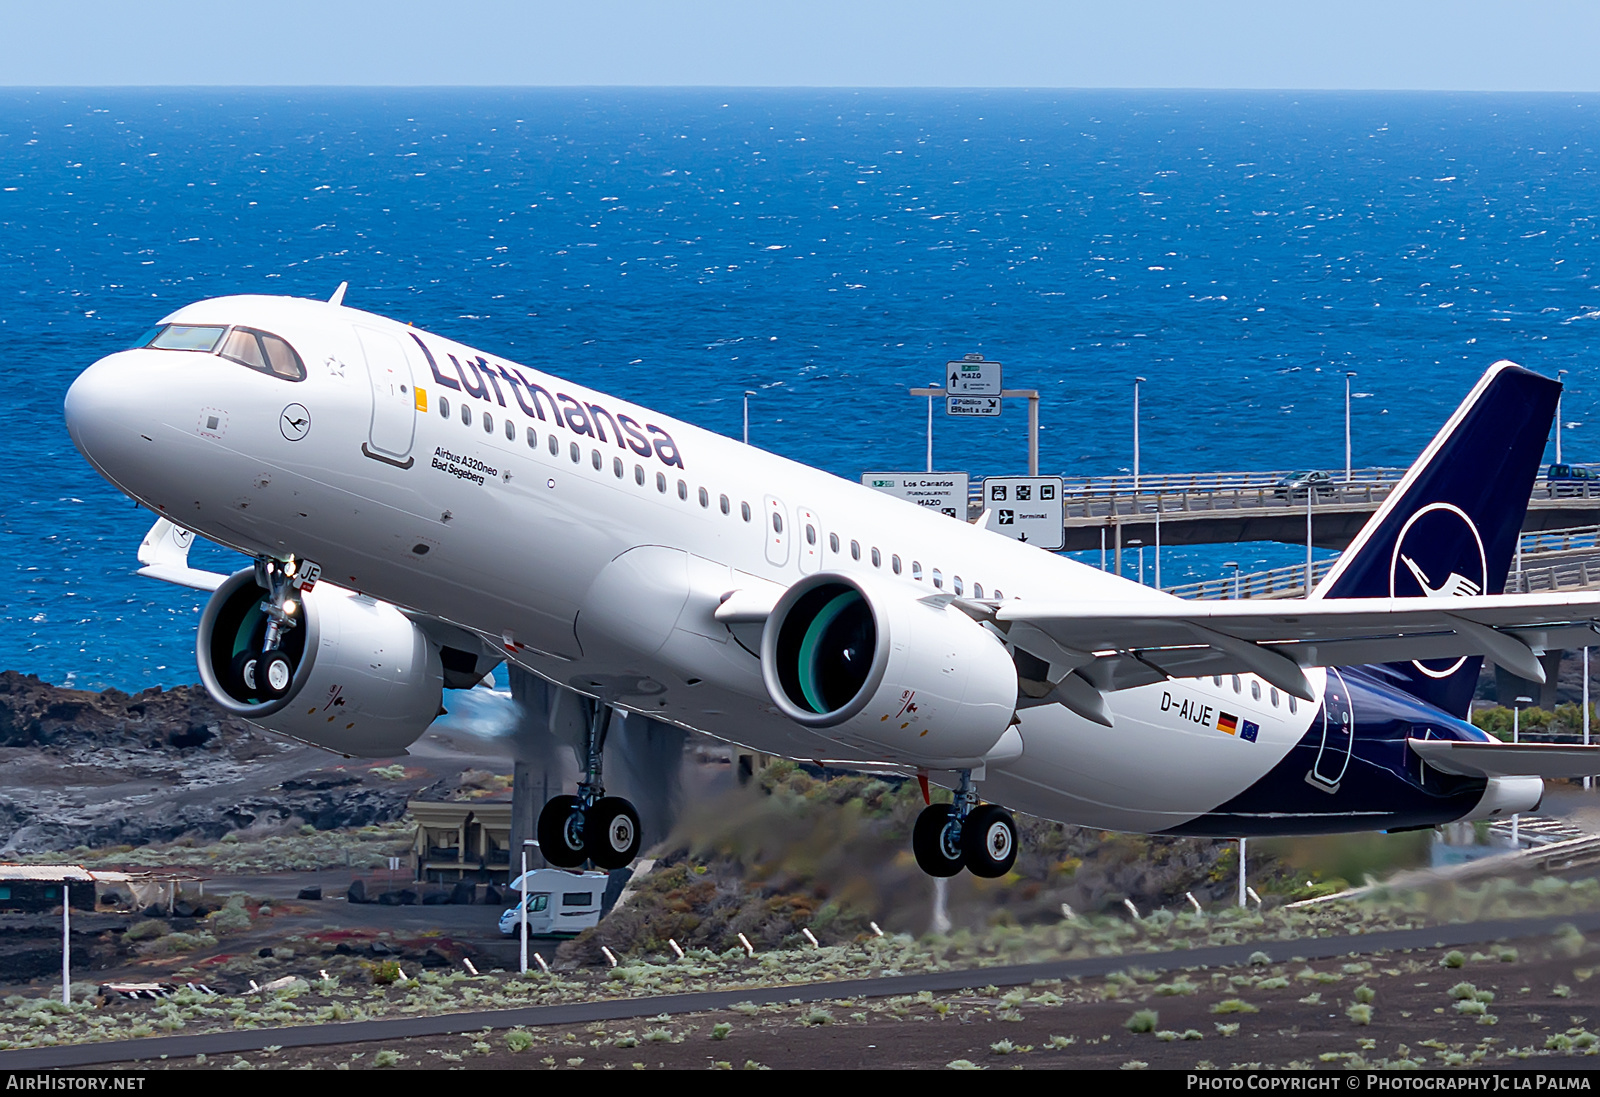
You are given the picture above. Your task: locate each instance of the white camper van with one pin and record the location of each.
(561, 903)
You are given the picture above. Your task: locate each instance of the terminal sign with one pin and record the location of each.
(972, 376)
(945, 492)
(1026, 508)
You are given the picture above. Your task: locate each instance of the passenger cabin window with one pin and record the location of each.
(999, 595)
(1216, 680)
(955, 584)
(616, 467)
(938, 579)
(705, 498)
(724, 501)
(1236, 686)
(811, 534)
(916, 570)
(488, 423)
(894, 564)
(596, 460)
(777, 522)
(1292, 705)
(575, 452)
(200, 337)
(661, 482)
(555, 445)
(533, 438)
(977, 590)
(466, 415)
(444, 409)
(638, 475)
(1255, 691)
(833, 542)
(877, 558)
(511, 431)
(855, 550)
(744, 511)
(261, 351)
(1273, 694)
(683, 490)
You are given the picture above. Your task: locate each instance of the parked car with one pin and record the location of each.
(1295, 485)
(560, 903)
(1567, 479)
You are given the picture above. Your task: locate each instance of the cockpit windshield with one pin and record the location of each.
(201, 337)
(259, 350)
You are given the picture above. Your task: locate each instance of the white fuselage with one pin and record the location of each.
(411, 487)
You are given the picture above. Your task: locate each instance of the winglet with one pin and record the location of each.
(338, 294)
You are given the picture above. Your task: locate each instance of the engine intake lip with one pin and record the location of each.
(778, 636)
(205, 637)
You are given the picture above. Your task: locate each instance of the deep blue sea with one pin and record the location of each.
(826, 249)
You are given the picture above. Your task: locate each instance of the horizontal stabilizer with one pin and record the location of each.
(1496, 759)
(164, 552)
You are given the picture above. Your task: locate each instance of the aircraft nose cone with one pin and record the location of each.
(98, 408)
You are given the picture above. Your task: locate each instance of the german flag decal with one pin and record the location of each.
(1228, 722)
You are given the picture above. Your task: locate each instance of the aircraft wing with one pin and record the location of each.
(1116, 646)
(1507, 759)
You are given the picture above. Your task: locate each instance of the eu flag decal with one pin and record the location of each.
(1249, 731)
(1228, 722)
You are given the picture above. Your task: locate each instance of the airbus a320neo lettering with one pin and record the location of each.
(420, 511)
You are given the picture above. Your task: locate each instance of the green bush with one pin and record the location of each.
(145, 930)
(1143, 1020)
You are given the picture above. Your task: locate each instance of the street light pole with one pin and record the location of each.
(747, 395)
(1137, 381)
(1516, 737)
(1234, 564)
(930, 427)
(1347, 375)
(1560, 373)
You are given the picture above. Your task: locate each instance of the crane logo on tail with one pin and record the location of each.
(1439, 539)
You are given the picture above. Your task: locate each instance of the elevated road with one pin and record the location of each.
(1224, 508)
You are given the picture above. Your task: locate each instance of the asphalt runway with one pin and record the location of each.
(355, 1032)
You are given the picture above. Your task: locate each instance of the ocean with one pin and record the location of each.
(825, 249)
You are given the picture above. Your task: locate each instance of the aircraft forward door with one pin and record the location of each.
(1338, 735)
(394, 401)
(777, 532)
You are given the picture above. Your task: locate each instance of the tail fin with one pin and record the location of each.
(1450, 527)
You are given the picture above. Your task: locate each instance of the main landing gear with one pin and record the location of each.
(981, 838)
(590, 826)
(263, 671)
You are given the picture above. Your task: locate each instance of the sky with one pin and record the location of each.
(1462, 45)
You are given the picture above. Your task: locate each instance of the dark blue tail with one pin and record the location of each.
(1450, 528)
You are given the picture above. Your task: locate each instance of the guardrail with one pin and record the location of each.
(1284, 582)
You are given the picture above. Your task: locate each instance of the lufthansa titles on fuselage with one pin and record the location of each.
(477, 377)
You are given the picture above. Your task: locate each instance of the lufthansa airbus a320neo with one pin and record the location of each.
(420, 512)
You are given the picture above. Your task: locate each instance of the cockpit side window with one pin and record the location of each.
(200, 337)
(263, 351)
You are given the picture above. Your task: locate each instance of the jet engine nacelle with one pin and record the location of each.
(915, 677)
(366, 681)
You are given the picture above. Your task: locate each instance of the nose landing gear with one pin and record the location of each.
(965, 834)
(590, 826)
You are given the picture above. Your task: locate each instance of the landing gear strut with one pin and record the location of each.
(965, 834)
(267, 673)
(590, 826)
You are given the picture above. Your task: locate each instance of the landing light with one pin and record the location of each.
(289, 608)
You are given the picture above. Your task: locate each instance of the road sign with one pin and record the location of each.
(1027, 508)
(945, 492)
(972, 376)
(972, 405)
